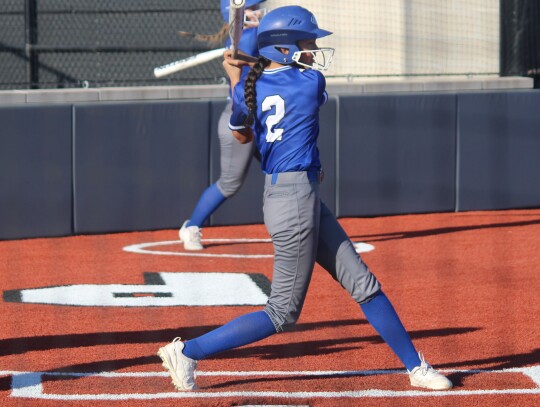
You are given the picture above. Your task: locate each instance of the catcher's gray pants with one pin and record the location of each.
(235, 157)
(303, 231)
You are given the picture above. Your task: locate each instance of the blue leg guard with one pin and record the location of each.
(241, 331)
(381, 315)
(209, 201)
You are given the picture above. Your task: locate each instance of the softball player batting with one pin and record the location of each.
(235, 158)
(279, 107)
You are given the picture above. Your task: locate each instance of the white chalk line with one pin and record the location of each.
(29, 385)
(144, 248)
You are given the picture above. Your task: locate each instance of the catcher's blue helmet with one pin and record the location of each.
(225, 5)
(283, 27)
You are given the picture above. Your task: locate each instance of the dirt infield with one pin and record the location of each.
(82, 317)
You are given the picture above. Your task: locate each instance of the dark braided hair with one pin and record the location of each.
(250, 94)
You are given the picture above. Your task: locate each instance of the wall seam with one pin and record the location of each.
(457, 158)
(337, 182)
(73, 173)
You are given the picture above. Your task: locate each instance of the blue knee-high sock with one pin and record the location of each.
(209, 201)
(241, 331)
(381, 315)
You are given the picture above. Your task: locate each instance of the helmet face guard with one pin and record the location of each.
(283, 28)
(322, 58)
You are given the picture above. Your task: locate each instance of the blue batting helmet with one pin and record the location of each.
(225, 5)
(283, 27)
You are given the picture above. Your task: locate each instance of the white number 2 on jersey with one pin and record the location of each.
(277, 101)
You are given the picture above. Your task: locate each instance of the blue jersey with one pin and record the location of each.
(286, 125)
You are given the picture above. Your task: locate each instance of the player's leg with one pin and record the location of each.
(190, 231)
(288, 214)
(181, 358)
(238, 332)
(337, 255)
(291, 213)
(291, 216)
(235, 159)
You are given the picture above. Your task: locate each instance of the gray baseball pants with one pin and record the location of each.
(303, 232)
(235, 157)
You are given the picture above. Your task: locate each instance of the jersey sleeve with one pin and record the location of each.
(318, 77)
(239, 109)
(323, 95)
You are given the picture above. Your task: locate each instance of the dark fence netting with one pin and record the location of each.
(520, 39)
(99, 43)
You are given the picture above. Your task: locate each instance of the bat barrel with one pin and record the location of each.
(236, 24)
(182, 64)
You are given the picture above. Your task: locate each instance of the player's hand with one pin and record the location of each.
(240, 61)
(233, 67)
(252, 17)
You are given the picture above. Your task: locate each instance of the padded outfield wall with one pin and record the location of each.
(98, 161)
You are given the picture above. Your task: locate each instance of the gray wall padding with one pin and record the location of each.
(35, 172)
(139, 166)
(499, 150)
(396, 154)
(107, 167)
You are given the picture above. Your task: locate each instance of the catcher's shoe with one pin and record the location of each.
(191, 237)
(427, 377)
(180, 367)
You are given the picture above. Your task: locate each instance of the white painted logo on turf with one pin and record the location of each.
(363, 247)
(165, 289)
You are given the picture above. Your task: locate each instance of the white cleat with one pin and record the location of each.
(190, 236)
(180, 367)
(427, 377)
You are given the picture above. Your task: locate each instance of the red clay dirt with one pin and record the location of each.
(465, 285)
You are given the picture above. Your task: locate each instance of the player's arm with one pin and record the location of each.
(242, 133)
(243, 136)
(321, 86)
(233, 67)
